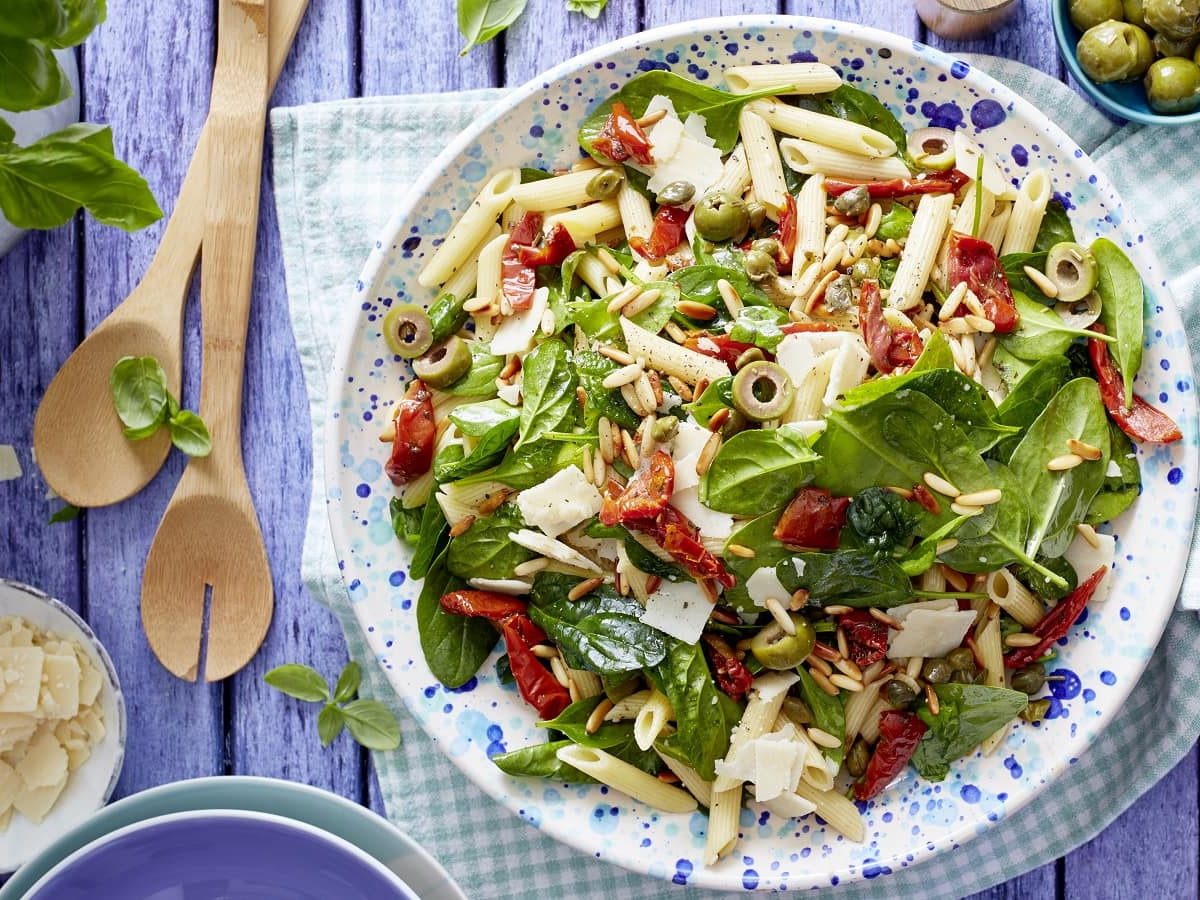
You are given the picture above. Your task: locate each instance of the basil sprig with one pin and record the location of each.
(369, 722)
(144, 404)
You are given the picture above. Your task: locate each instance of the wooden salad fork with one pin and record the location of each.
(76, 414)
(209, 539)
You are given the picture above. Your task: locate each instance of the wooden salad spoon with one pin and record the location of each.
(209, 539)
(80, 445)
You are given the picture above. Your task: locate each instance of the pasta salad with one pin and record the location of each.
(770, 439)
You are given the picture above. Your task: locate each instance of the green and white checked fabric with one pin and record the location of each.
(338, 168)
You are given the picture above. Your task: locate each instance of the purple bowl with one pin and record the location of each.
(223, 855)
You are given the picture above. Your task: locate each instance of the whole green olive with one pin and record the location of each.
(1030, 679)
(1173, 85)
(898, 694)
(445, 363)
(1135, 13)
(1167, 46)
(961, 659)
(1036, 710)
(1179, 19)
(1196, 59)
(747, 356)
(776, 649)
(1087, 14)
(721, 216)
(759, 265)
(757, 213)
(1144, 48)
(1111, 51)
(677, 193)
(762, 391)
(407, 330)
(858, 757)
(605, 184)
(936, 671)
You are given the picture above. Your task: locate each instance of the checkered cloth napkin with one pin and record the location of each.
(339, 168)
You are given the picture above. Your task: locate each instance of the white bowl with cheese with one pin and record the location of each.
(62, 722)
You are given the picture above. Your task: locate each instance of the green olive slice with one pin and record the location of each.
(407, 330)
(1072, 269)
(776, 649)
(1079, 313)
(445, 363)
(762, 391)
(933, 148)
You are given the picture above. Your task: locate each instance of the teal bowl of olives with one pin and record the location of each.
(1139, 59)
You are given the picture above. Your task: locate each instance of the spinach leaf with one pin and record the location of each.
(757, 470)
(828, 712)
(1028, 397)
(592, 369)
(601, 632)
(719, 108)
(1058, 501)
(492, 424)
(548, 392)
(406, 523)
(759, 535)
(615, 737)
(1041, 585)
(601, 325)
(895, 224)
(481, 20)
(856, 578)
(1121, 307)
(1040, 333)
(887, 271)
(921, 556)
(480, 380)
(529, 175)
(504, 672)
(699, 283)
(638, 555)
(1055, 228)
(759, 325)
(882, 519)
(936, 355)
(855, 105)
(1118, 491)
(1014, 270)
(1003, 542)
(530, 465)
(717, 396)
(704, 715)
(968, 714)
(446, 317)
(454, 646)
(484, 550)
(477, 420)
(541, 761)
(966, 402)
(429, 538)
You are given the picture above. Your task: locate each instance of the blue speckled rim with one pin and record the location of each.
(1107, 95)
(1169, 576)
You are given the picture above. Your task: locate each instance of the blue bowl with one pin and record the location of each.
(220, 855)
(1128, 100)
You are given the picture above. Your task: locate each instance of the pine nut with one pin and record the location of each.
(630, 396)
(873, 671)
(641, 303)
(596, 719)
(1087, 451)
(945, 546)
(655, 386)
(846, 682)
(388, 434)
(874, 217)
(887, 620)
(733, 302)
(838, 610)
(799, 600)
(972, 302)
(818, 293)
(964, 510)
(718, 419)
(1044, 284)
(647, 442)
(548, 322)
(588, 474)
(584, 588)
(954, 578)
(931, 698)
(984, 359)
(624, 375)
(1022, 639)
(531, 566)
(1088, 533)
(850, 668)
(708, 453)
(615, 354)
(675, 333)
(653, 118)
(823, 738)
(825, 652)
(980, 498)
(608, 260)
(819, 664)
(462, 526)
(843, 644)
(941, 485)
(693, 310)
(477, 304)
(645, 393)
(604, 430)
(680, 387)
(775, 608)
(1064, 462)
(903, 492)
(624, 296)
(599, 470)
(980, 323)
(544, 651)
(824, 682)
(742, 551)
(511, 367)
(833, 258)
(559, 668)
(956, 325)
(836, 236)
(953, 300)
(494, 501)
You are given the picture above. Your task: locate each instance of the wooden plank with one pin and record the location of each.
(147, 71)
(1038, 884)
(896, 16)
(1028, 38)
(268, 733)
(39, 326)
(660, 13)
(547, 34)
(412, 47)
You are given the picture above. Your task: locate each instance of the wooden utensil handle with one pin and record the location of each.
(236, 121)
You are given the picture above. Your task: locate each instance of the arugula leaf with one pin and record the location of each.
(541, 761)
(481, 20)
(829, 714)
(854, 105)
(717, 396)
(719, 108)
(601, 632)
(968, 714)
(1122, 298)
(1041, 332)
(856, 578)
(1118, 491)
(638, 555)
(759, 325)
(44, 184)
(484, 550)
(139, 390)
(592, 369)
(480, 380)
(1055, 228)
(454, 646)
(589, 8)
(1028, 397)
(1059, 500)
(30, 76)
(302, 682)
(757, 470)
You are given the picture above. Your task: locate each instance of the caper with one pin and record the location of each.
(1073, 270)
(759, 265)
(936, 671)
(865, 269)
(605, 184)
(898, 694)
(407, 330)
(770, 246)
(961, 659)
(839, 294)
(677, 193)
(1088, 13)
(1173, 85)
(1036, 710)
(749, 355)
(664, 429)
(721, 216)
(735, 423)
(855, 202)
(445, 363)
(1030, 679)
(776, 649)
(757, 213)
(858, 757)
(762, 391)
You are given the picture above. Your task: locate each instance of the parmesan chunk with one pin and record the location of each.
(774, 762)
(712, 524)
(512, 586)
(10, 465)
(20, 678)
(10, 783)
(560, 502)
(44, 762)
(771, 685)
(764, 584)
(516, 332)
(790, 805)
(60, 686)
(556, 550)
(679, 609)
(929, 633)
(1086, 559)
(35, 803)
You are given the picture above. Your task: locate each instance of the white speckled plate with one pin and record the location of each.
(914, 819)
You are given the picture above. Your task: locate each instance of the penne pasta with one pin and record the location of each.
(1028, 210)
(1007, 592)
(859, 706)
(584, 223)
(822, 129)
(762, 709)
(627, 707)
(783, 78)
(651, 719)
(836, 809)
(636, 217)
(964, 219)
(690, 779)
(920, 252)
(762, 157)
(723, 815)
(627, 779)
(487, 278)
(997, 225)
(558, 192)
(735, 175)
(588, 684)
(469, 231)
(869, 731)
(810, 158)
(593, 273)
(810, 223)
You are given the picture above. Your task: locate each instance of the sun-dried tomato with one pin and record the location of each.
(786, 235)
(718, 346)
(974, 261)
(890, 348)
(813, 519)
(623, 138)
(558, 246)
(924, 496)
(412, 447)
(899, 734)
(666, 235)
(1142, 422)
(1057, 622)
(926, 183)
(730, 673)
(646, 495)
(867, 636)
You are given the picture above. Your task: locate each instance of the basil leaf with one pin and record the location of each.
(541, 761)
(704, 715)
(485, 550)
(1040, 333)
(717, 396)
(601, 325)
(1058, 501)
(480, 380)
(757, 470)
(30, 76)
(454, 646)
(638, 555)
(548, 391)
(589, 8)
(32, 18)
(348, 682)
(1122, 298)
(828, 712)
(601, 632)
(1028, 397)
(530, 175)
(82, 18)
(190, 434)
(139, 390)
(481, 20)
(858, 106)
(592, 369)
(44, 184)
(301, 682)
(719, 108)
(895, 224)
(968, 714)
(1118, 491)
(329, 724)
(372, 724)
(856, 578)
(1055, 228)
(1014, 270)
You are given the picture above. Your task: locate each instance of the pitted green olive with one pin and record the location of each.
(762, 391)
(407, 330)
(444, 364)
(677, 193)
(1173, 85)
(1166, 46)
(776, 649)
(721, 217)
(1073, 270)
(1111, 51)
(1087, 14)
(605, 184)
(932, 148)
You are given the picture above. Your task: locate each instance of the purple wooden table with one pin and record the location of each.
(147, 72)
